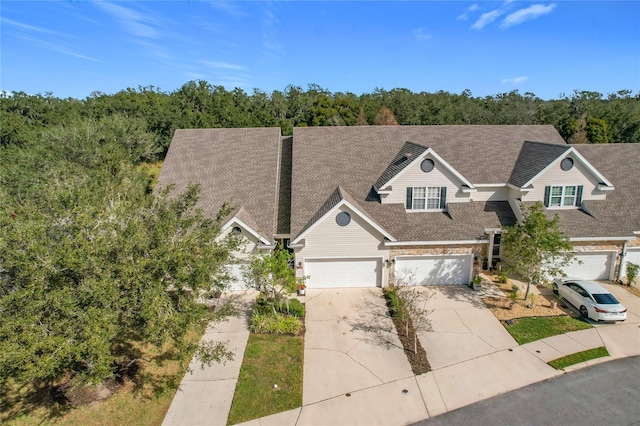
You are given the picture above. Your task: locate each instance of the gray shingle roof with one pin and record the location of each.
(354, 158)
(234, 165)
(619, 214)
(533, 158)
(409, 152)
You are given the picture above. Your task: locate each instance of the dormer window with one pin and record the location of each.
(426, 198)
(563, 196)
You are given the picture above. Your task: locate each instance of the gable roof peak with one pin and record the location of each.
(534, 157)
(407, 153)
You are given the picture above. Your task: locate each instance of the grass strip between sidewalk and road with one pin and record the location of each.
(525, 330)
(579, 357)
(269, 360)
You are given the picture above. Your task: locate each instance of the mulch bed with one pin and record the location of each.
(500, 305)
(418, 361)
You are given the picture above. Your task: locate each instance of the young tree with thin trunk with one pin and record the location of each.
(536, 248)
(413, 306)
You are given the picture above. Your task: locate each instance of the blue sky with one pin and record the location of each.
(75, 47)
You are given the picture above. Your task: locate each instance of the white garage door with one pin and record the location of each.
(235, 272)
(333, 273)
(594, 266)
(633, 256)
(431, 270)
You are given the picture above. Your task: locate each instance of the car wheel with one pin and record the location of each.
(555, 289)
(584, 312)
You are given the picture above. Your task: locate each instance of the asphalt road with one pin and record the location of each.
(603, 394)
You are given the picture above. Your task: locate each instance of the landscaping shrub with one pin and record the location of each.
(262, 305)
(296, 308)
(275, 324)
(396, 304)
(265, 306)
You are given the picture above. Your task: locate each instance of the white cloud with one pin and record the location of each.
(486, 19)
(516, 80)
(134, 22)
(270, 26)
(27, 27)
(230, 8)
(156, 50)
(420, 34)
(223, 65)
(58, 48)
(527, 14)
(465, 15)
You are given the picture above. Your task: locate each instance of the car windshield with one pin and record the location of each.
(605, 298)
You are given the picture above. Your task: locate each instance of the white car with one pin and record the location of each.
(591, 299)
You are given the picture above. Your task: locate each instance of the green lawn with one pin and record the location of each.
(268, 360)
(525, 330)
(587, 355)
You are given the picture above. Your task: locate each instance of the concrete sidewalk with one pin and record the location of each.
(204, 396)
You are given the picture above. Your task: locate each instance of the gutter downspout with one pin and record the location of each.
(622, 255)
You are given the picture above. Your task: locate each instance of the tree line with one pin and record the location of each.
(581, 117)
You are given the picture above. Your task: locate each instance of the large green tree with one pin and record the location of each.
(535, 248)
(91, 261)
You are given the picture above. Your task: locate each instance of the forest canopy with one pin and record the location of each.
(582, 117)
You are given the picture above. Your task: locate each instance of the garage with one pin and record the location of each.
(592, 266)
(235, 272)
(633, 256)
(432, 270)
(336, 273)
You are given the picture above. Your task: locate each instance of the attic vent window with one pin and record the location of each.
(236, 230)
(427, 165)
(343, 218)
(566, 164)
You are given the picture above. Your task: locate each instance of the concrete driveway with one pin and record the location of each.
(472, 356)
(350, 344)
(463, 328)
(622, 339)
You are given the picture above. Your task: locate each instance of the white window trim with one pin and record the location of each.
(426, 199)
(563, 196)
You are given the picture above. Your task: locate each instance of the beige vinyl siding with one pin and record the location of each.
(415, 177)
(329, 240)
(490, 194)
(555, 176)
(249, 246)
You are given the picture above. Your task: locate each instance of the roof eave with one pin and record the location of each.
(433, 243)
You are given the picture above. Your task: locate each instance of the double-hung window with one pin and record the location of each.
(426, 197)
(419, 198)
(563, 196)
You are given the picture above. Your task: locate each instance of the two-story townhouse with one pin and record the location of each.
(361, 206)
(241, 167)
